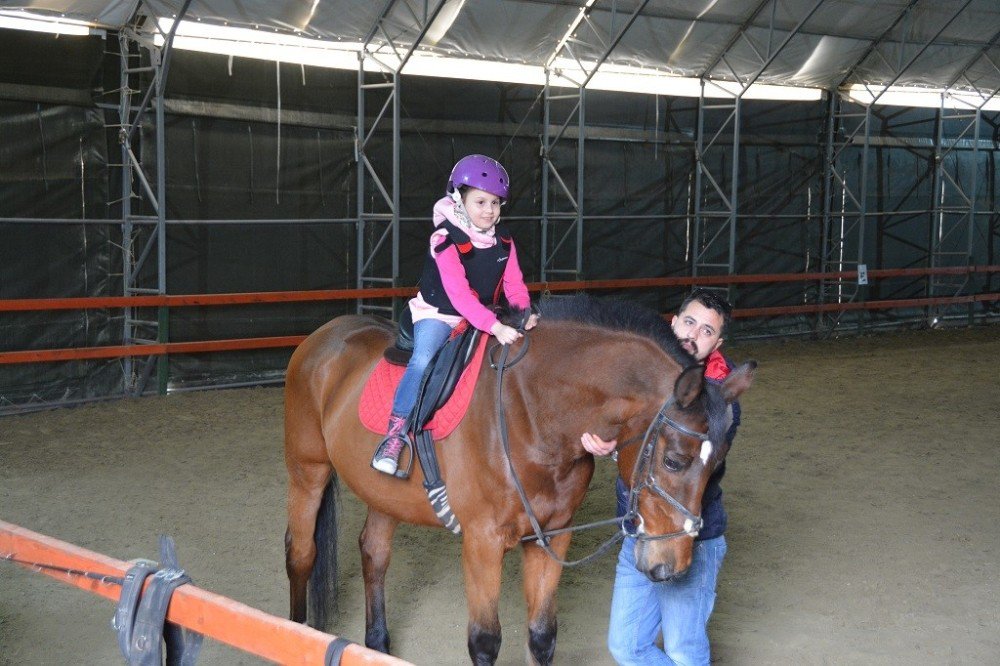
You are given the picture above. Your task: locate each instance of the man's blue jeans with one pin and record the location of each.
(429, 335)
(641, 609)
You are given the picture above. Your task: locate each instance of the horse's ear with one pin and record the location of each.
(738, 381)
(689, 385)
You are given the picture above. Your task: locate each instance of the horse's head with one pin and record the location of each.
(684, 445)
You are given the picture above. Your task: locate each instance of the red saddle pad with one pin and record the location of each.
(378, 392)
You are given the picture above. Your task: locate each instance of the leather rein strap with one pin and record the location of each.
(541, 536)
(643, 465)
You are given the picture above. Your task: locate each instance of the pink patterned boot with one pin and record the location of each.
(386, 458)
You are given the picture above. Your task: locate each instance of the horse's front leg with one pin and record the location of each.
(482, 557)
(541, 577)
(376, 547)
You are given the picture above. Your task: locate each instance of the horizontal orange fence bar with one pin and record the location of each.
(864, 305)
(193, 300)
(758, 278)
(217, 617)
(159, 349)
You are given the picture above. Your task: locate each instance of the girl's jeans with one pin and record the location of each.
(429, 335)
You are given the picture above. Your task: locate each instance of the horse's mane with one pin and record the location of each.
(617, 315)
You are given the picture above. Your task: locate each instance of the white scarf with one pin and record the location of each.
(454, 212)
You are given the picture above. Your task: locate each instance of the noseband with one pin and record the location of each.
(642, 478)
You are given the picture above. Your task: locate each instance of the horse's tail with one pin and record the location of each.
(322, 596)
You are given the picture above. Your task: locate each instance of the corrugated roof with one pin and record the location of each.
(931, 43)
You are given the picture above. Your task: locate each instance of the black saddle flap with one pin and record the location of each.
(442, 376)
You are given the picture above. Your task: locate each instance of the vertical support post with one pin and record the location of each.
(580, 193)
(716, 223)
(953, 213)
(377, 226)
(829, 185)
(142, 233)
(124, 117)
(377, 261)
(163, 313)
(845, 207)
(560, 227)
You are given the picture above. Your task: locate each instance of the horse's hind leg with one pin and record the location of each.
(376, 547)
(305, 493)
(541, 576)
(482, 558)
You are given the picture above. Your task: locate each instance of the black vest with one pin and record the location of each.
(484, 269)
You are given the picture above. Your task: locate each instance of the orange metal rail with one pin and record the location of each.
(160, 349)
(29, 304)
(866, 305)
(248, 629)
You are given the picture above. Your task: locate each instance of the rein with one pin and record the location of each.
(692, 523)
(540, 535)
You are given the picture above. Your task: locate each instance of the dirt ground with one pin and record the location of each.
(862, 490)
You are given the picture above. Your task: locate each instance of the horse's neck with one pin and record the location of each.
(578, 383)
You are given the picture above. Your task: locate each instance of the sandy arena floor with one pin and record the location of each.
(863, 496)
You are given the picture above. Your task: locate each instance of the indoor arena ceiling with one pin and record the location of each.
(809, 43)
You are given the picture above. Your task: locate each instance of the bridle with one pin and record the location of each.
(642, 472)
(642, 478)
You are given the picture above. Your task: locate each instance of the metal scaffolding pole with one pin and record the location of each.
(139, 238)
(845, 208)
(953, 217)
(577, 57)
(377, 225)
(716, 208)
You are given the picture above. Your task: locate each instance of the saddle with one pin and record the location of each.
(444, 370)
(444, 392)
(435, 415)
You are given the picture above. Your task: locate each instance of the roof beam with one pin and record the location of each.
(584, 12)
(735, 38)
(770, 56)
(422, 29)
(972, 61)
(653, 13)
(884, 37)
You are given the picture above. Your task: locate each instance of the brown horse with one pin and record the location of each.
(591, 366)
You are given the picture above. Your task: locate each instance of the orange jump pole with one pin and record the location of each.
(217, 617)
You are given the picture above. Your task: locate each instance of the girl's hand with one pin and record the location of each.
(504, 334)
(532, 322)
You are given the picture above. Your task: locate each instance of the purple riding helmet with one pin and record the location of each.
(481, 172)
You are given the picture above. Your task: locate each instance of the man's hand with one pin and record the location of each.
(597, 446)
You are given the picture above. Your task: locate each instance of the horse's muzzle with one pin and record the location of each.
(664, 570)
(663, 573)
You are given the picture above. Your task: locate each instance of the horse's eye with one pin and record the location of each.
(673, 465)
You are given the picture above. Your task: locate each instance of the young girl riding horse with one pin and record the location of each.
(468, 261)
